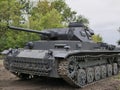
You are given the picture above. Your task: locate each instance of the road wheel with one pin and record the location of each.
(90, 75)
(109, 70)
(81, 78)
(97, 73)
(103, 71)
(115, 68)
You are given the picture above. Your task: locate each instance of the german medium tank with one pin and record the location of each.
(67, 53)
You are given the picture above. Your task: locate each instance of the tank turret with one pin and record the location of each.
(75, 31)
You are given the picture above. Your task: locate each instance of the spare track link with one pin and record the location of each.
(63, 70)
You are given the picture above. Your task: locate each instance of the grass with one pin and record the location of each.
(118, 76)
(0, 56)
(1, 61)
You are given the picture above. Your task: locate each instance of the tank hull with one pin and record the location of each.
(76, 65)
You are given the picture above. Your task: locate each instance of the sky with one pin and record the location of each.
(103, 15)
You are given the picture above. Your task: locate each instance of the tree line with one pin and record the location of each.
(39, 16)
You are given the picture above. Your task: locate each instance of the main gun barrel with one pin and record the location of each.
(29, 30)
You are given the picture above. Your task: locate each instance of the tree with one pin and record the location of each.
(3, 22)
(82, 19)
(67, 14)
(97, 38)
(43, 16)
(11, 13)
(52, 19)
(3, 17)
(118, 40)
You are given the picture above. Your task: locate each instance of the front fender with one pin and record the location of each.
(64, 54)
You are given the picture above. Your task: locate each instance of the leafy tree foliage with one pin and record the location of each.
(67, 14)
(82, 19)
(3, 22)
(51, 19)
(44, 16)
(10, 14)
(97, 38)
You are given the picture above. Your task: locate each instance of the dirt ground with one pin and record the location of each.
(11, 82)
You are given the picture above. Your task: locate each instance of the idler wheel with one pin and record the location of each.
(103, 71)
(109, 70)
(97, 73)
(90, 75)
(81, 77)
(115, 68)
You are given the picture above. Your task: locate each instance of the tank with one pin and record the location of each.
(67, 53)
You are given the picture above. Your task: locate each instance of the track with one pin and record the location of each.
(81, 77)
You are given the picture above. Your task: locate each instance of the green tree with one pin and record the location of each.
(52, 19)
(43, 16)
(3, 16)
(97, 38)
(67, 14)
(82, 19)
(3, 22)
(11, 11)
